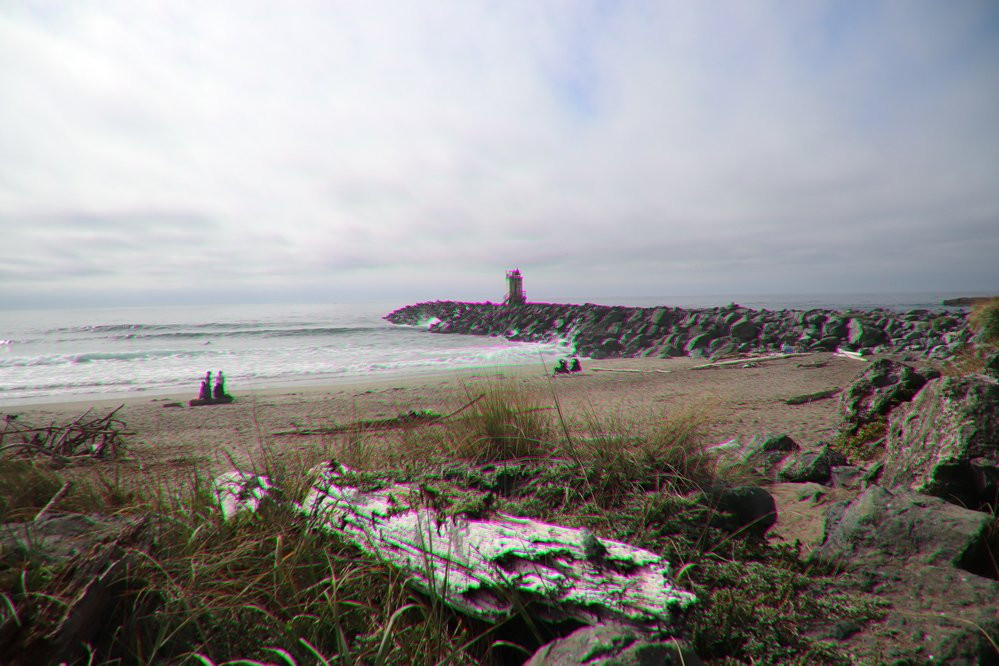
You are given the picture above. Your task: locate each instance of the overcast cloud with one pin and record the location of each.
(318, 150)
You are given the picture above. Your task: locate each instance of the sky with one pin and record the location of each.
(172, 152)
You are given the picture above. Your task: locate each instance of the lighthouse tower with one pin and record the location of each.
(515, 288)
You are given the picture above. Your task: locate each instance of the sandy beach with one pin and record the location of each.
(741, 402)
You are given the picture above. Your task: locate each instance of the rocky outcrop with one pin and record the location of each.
(880, 388)
(601, 331)
(907, 528)
(931, 564)
(946, 442)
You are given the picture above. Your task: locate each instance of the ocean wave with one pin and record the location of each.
(90, 357)
(201, 331)
(261, 332)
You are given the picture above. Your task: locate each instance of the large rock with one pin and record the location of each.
(946, 442)
(881, 527)
(931, 563)
(698, 343)
(815, 465)
(876, 391)
(748, 510)
(864, 334)
(759, 455)
(612, 645)
(744, 329)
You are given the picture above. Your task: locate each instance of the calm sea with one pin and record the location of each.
(55, 355)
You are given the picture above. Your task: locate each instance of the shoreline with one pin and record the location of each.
(264, 388)
(737, 402)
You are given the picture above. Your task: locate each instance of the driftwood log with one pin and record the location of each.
(811, 397)
(749, 359)
(405, 420)
(482, 568)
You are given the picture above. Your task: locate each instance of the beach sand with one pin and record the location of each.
(741, 402)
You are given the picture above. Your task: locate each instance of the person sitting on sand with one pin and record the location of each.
(575, 366)
(205, 392)
(219, 392)
(561, 368)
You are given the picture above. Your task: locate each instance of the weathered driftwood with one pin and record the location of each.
(483, 568)
(811, 397)
(99, 437)
(748, 359)
(856, 356)
(402, 421)
(665, 372)
(406, 420)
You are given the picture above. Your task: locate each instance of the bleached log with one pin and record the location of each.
(749, 359)
(856, 356)
(483, 568)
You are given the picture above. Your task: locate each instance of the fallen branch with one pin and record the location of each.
(97, 438)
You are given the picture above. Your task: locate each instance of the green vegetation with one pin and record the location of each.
(867, 443)
(984, 320)
(264, 588)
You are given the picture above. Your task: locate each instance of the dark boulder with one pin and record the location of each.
(815, 465)
(720, 347)
(946, 442)
(661, 317)
(744, 329)
(864, 334)
(834, 327)
(765, 454)
(760, 455)
(613, 645)
(748, 510)
(698, 343)
(876, 391)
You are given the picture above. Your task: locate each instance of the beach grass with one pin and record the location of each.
(984, 320)
(265, 588)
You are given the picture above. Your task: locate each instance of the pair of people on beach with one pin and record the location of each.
(564, 368)
(216, 393)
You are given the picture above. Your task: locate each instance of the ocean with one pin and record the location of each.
(63, 355)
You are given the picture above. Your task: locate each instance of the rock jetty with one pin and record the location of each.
(602, 331)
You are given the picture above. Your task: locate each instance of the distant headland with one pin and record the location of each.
(967, 301)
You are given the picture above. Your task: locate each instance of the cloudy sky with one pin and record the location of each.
(156, 151)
